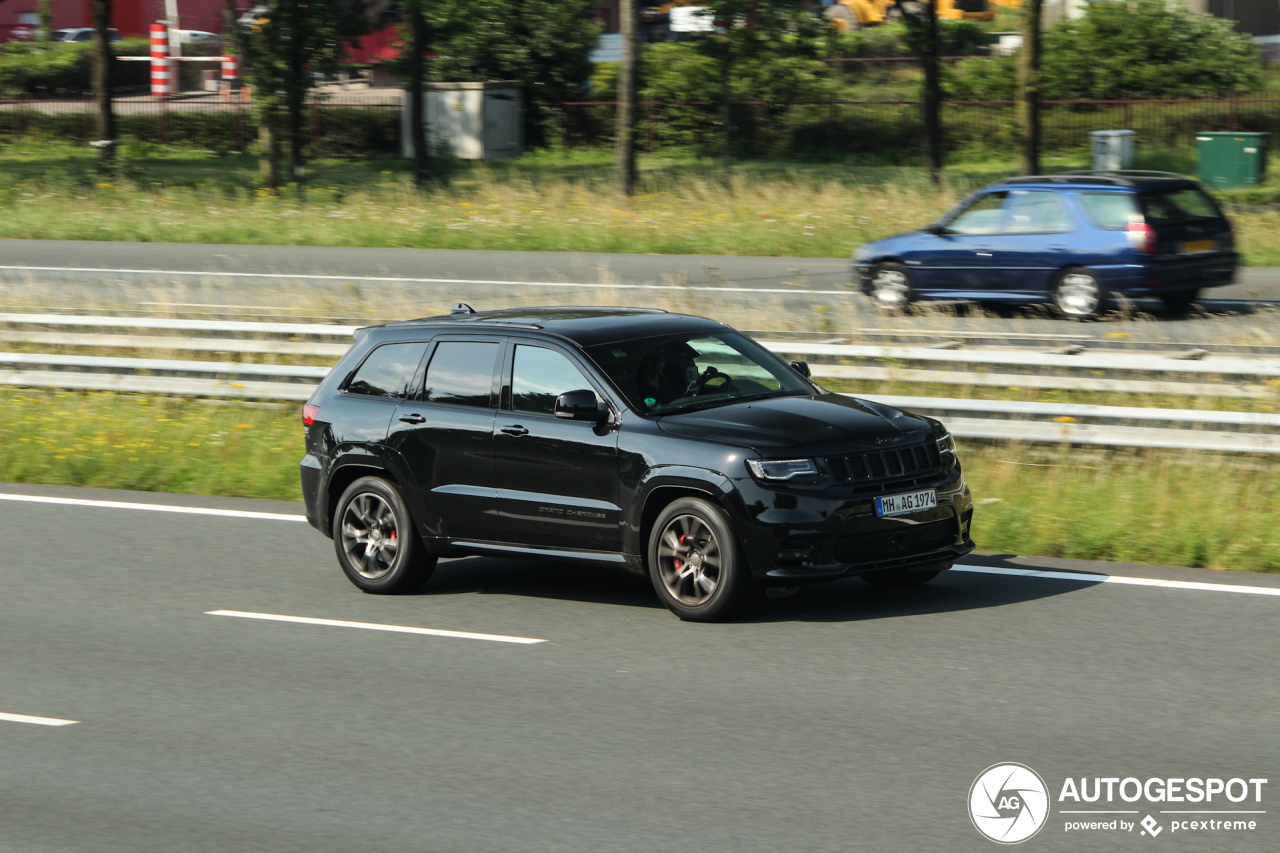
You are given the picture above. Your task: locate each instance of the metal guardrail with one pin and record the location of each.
(968, 418)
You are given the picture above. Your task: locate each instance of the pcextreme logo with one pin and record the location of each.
(1009, 803)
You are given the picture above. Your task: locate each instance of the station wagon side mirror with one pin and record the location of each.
(581, 405)
(801, 367)
(935, 229)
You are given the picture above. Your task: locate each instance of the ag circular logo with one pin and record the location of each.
(1008, 803)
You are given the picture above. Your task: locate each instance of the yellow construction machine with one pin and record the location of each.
(846, 15)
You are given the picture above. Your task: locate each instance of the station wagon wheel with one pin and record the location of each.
(695, 563)
(1079, 295)
(890, 287)
(373, 534)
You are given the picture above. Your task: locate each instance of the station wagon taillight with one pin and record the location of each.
(309, 414)
(1142, 237)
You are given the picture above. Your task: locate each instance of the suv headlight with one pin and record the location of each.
(778, 470)
(947, 449)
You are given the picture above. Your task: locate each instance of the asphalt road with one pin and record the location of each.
(839, 719)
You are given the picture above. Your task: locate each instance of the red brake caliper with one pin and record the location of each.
(679, 562)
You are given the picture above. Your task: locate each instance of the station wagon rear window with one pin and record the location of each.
(1178, 207)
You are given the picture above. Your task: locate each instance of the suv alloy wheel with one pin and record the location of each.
(377, 546)
(695, 563)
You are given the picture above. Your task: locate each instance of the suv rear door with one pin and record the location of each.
(444, 434)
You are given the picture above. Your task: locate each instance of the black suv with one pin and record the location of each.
(670, 445)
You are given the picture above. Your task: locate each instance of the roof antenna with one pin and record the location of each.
(462, 308)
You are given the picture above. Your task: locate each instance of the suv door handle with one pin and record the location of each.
(413, 419)
(515, 429)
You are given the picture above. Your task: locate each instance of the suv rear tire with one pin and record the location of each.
(695, 563)
(377, 544)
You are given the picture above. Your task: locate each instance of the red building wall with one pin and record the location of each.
(131, 17)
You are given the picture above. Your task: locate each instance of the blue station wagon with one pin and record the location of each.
(1075, 240)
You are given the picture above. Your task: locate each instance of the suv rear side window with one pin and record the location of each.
(1178, 207)
(1111, 211)
(539, 376)
(388, 370)
(461, 373)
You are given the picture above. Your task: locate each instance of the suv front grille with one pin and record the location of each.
(885, 464)
(887, 544)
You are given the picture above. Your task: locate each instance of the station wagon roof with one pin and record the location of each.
(1125, 179)
(585, 326)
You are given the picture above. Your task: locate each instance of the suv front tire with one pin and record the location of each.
(695, 563)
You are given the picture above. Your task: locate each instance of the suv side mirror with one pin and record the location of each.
(580, 405)
(801, 367)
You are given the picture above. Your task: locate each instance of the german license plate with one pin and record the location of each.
(1192, 246)
(910, 502)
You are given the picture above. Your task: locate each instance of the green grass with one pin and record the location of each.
(545, 201)
(1173, 508)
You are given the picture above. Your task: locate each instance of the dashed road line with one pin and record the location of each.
(375, 626)
(187, 510)
(36, 721)
(1085, 577)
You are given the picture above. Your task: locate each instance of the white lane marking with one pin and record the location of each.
(374, 626)
(38, 721)
(799, 290)
(1083, 577)
(189, 510)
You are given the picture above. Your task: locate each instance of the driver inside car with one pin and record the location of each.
(657, 382)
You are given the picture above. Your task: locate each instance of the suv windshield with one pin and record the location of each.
(1178, 207)
(674, 373)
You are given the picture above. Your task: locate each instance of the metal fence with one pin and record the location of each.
(757, 127)
(332, 128)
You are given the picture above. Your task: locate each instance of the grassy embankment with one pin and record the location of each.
(546, 200)
(1172, 508)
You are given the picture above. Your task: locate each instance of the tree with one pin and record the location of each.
(1029, 89)
(627, 77)
(103, 61)
(417, 48)
(285, 47)
(541, 44)
(925, 38)
(744, 31)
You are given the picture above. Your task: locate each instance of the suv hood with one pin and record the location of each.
(808, 426)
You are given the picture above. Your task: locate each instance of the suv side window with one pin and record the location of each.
(388, 370)
(461, 373)
(1038, 212)
(538, 376)
(982, 217)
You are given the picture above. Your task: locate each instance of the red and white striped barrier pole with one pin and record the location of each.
(164, 72)
(230, 70)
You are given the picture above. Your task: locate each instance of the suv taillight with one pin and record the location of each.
(309, 414)
(1142, 237)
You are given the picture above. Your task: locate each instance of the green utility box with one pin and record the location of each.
(1229, 160)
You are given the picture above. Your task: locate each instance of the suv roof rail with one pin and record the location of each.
(1114, 177)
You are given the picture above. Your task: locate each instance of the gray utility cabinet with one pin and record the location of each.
(478, 121)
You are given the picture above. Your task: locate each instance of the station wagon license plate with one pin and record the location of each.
(910, 502)
(1191, 247)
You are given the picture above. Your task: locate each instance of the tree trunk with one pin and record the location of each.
(1029, 89)
(296, 89)
(269, 150)
(103, 60)
(417, 117)
(726, 94)
(932, 105)
(627, 75)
